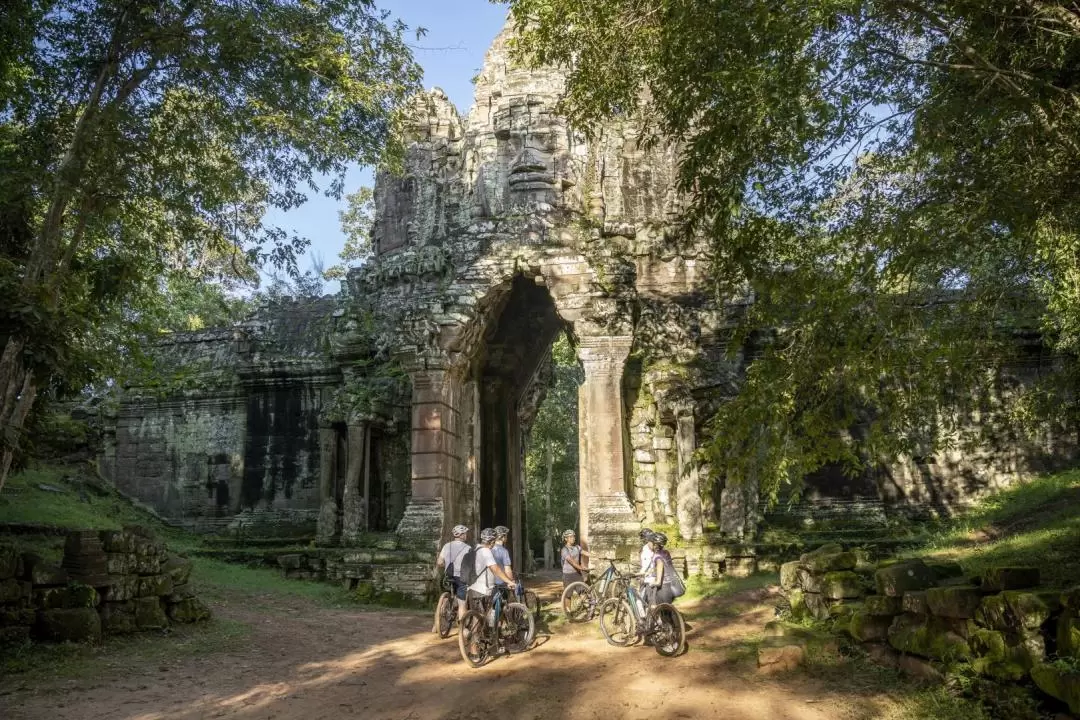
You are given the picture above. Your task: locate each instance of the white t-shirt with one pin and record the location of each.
(485, 578)
(646, 559)
(451, 555)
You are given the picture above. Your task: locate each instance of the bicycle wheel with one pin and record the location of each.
(517, 628)
(473, 639)
(446, 614)
(669, 630)
(617, 622)
(532, 601)
(578, 602)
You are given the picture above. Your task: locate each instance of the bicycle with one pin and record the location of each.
(446, 609)
(492, 625)
(528, 598)
(623, 621)
(581, 600)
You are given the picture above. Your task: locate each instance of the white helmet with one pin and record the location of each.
(459, 531)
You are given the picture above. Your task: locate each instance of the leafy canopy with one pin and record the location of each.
(893, 184)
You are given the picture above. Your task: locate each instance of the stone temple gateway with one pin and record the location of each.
(403, 406)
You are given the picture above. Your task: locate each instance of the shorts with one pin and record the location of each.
(657, 595)
(459, 589)
(568, 578)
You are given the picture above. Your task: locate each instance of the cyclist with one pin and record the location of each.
(572, 568)
(646, 554)
(658, 580)
(488, 571)
(450, 557)
(502, 554)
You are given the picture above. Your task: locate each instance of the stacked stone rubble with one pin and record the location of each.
(112, 582)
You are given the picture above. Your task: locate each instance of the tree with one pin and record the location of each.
(356, 222)
(143, 139)
(892, 182)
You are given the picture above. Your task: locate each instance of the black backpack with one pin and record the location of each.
(467, 566)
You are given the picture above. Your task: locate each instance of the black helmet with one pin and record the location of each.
(644, 534)
(659, 538)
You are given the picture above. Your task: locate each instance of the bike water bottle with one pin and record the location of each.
(491, 617)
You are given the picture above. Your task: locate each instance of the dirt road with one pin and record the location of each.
(303, 661)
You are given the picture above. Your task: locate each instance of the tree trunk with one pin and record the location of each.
(549, 521)
(14, 417)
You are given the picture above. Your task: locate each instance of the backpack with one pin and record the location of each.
(467, 572)
(678, 587)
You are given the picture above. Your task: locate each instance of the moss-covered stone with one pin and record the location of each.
(155, 586)
(1029, 610)
(13, 616)
(837, 562)
(177, 568)
(69, 625)
(40, 573)
(960, 601)
(865, 627)
(10, 563)
(188, 611)
(72, 596)
(808, 581)
(997, 657)
(883, 605)
(122, 587)
(895, 580)
(842, 585)
(11, 591)
(1058, 682)
(920, 635)
(945, 570)
(993, 613)
(180, 592)
(1068, 636)
(824, 550)
(118, 618)
(788, 572)
(1071, 598)
(817, 606)
(915, 602)
(150, 613)
(1010, 578)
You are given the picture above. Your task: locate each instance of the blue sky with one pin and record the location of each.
(458, 34)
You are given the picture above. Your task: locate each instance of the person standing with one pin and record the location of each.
(488, 571)
(502, 554)
(573, 566)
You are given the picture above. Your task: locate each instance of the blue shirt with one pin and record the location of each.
(502, 558)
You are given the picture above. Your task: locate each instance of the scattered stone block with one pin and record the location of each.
(830, 562)
(842, 585)
(780, 654)
(1030, 610)
(1059, 683)
(915, 602)
(181, 592)
(895, 580)
(788, 575)
(919, 669)
(1068, 636)
(865, 627)
(1010, 578)
(808, 581)
(842, 612)
(881, 654)
(960, 601)
(150, 613)
(189, 611)
(69, 625)
(827, 549)
(920, 635)
(883, 605)
(994, 613)
(995, 657)
(816, 605)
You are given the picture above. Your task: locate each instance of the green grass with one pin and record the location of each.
(1034, 524)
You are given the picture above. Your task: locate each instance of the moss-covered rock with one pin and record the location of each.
(1068, 636)
(118, 618)
(1029, 610)
(1058, 682)
(993, 613)
(11, 591)
(1010, 578)
(959, 601)
(895, 580)
(69, 624)
(788, 577)
(865, 627)
(797, 601)
(1000, 656)
(40, 573)
(122, 587)
(920, 635)
(1071, 598)
(188, 611)
(817, 606)
(10, 563)
(837, 562)
(824, 550)
(883, 605)
(72, 596)
(808, 581)
(155, 586)
(150, 613)
(177, 568)
(914, 602)
(181, 592)
(842, 585)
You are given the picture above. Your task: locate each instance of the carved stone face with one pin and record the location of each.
(527, 133)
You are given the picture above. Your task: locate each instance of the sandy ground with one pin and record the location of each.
(303, 661)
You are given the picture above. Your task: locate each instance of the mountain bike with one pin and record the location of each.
(626, 619)
(528, 598)
(446, 609)
(581, 600)
(493, 625)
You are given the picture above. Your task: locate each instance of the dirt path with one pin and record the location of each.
(301, 661)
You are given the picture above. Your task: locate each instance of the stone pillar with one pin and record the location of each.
(328, 530)
(607, 517)
(437, 467)
(738, 509)
(688, 510)
(353, 502)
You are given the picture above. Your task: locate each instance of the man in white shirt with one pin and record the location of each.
(450, 557)
(487, 569)
(646, 551)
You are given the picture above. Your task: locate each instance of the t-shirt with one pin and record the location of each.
(502, 558)
(485, 578)
(570, 551)
(451, 554)
(646, 559)
(663, 556)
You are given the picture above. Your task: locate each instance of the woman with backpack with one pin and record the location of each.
(662, 582)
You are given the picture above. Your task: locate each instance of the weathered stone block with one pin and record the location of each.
(945, 570)
(895, 580)
(119, 563)
(1071, 598)
(147, 564)
(74, 625)
(915, 602)
(117, 541)
(72, 596)
(780, 654)
(920, 635)
(959, 601)
(1010, 578)
(154, 585)
(808, 581)
(1059, 683)
(994, 613)
(122, 587)
(118, 618)
(10, 616)
(817, 605)
(181, 592)
(865, 627)
(788, 574)
(10, 563)
(11, 591)
(188, 611)
(842, 585)
(150, 613)
(177, 568)
(291, 562)
(38, 572)
(919, 669)
(827, 549)
(994, 656)
(820, 564)
(1030, 610)
(883, 605)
